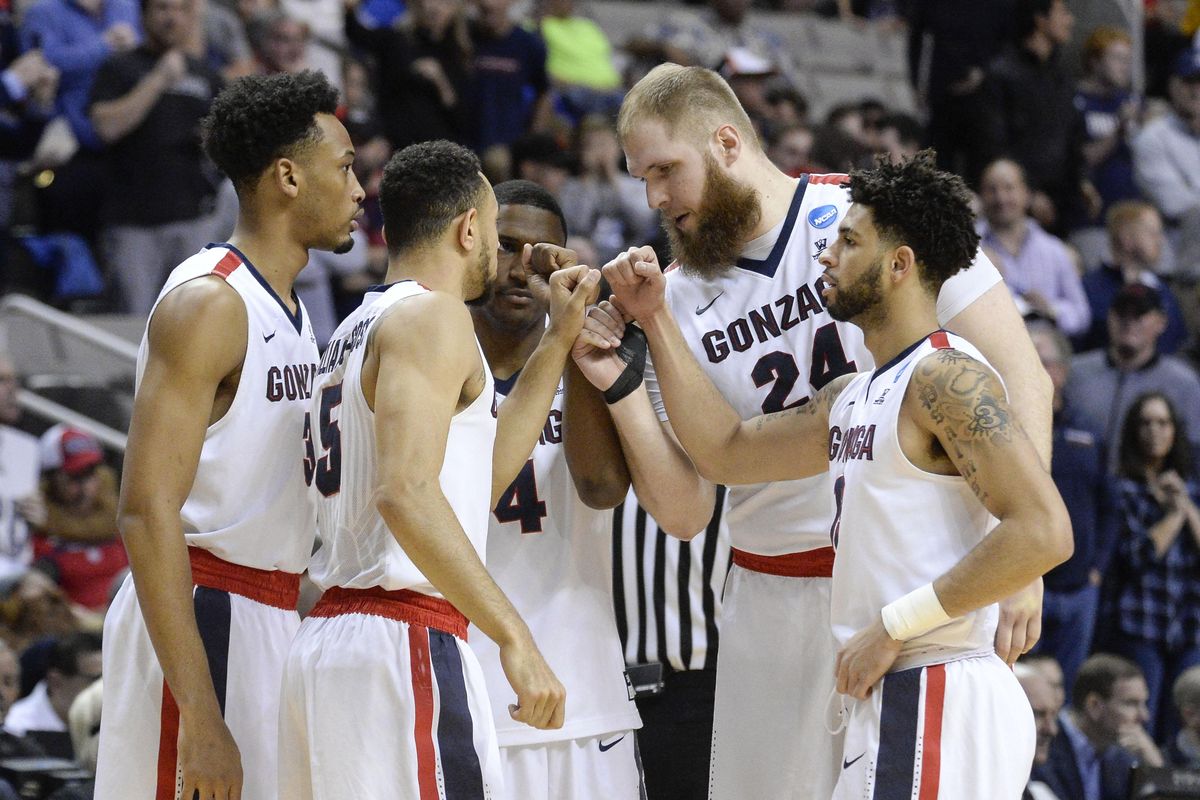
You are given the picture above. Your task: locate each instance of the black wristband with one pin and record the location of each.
(632, 351)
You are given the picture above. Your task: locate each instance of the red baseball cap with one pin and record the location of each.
(70, 449)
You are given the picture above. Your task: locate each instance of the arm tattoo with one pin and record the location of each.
(968, 408)
(820, 403)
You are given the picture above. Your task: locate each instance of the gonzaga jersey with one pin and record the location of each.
(357, 549)
(761, 332)
(248, 504)
(897, 527)
(552, 556)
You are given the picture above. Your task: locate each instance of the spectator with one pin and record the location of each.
(1072, 589)
(422, 72)
(1184, 749)
(1051, 670)
(1102, 735)
(84, 725)
(32, 608)
(76, 36)
(1153, 595)
(579, 60)
(748, 75)
(1135, 234)
(1104, 383)
(788, 105)
(280, 43)
(956, 48)
(511, 85)
(146, 106)
(20, 502)
(538, 157)
(1028, 111)
(1110, 114)
(74, 665)
(790, 149)
(28, 87)
(1166, 162)
(703, 40)
(1037, 267)
(900, 136)
(1045, 704)
(78, 543)
(223, 44)
(604, 203)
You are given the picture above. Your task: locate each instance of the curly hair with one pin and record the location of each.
(425, 186)
(528, 193)
(258, 119)
(916, 204)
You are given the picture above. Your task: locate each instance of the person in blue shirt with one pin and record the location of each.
(511, 87)
(1111, 113)
(1072, 589)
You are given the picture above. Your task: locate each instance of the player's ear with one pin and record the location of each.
(904, 261)
(467, 229)
(285, 173)
(728, 144)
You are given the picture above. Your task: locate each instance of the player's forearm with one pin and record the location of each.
(591, 444)
(426, 527)
(666, 481)
(706, 425)
(522, 416)
(1017, 552)
(162, 575)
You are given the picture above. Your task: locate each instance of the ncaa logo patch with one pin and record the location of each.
(822, 216)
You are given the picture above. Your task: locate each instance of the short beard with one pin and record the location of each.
(729, 211)
(488, 285)
(345, 246)
(854, 300)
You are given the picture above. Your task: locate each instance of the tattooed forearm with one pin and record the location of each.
(820, 404)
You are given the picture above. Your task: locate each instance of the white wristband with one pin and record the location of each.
(915, 614)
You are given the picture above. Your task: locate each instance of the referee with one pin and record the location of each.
(667, 600)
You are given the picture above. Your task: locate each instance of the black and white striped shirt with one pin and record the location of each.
(667, 592)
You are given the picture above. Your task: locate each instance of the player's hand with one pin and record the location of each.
(541, 699)
(209, 760)
(637, 282)
(865, 659)
(1020, 624)
(595, 350)
(572, 290)
(542, 260)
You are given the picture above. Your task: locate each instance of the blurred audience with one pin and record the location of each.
(1072, 589)
(1037, 266)
(73, 666)
(1111, 114)
(78, 544)
(790, 148)
(1028, 112)
(1135, 244)
(1103, 383)
(1045, 704)
(1153, 596)
(512, 89)
(1183, 750)
(604, 203)
(1102, 735)
(1166, 161)
(147, 105)
(20, 501)
(579, 60)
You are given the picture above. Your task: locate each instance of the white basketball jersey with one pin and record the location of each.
(552, 556)
(248, 504)
(357, 549)
(897, 527)
(761, 332)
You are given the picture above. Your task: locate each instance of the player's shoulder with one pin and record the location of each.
(202, 304)
(951, 371)
(423, 319)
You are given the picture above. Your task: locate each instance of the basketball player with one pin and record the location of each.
(747, 294)
(382, 697)
(214, 511)
(549, 546)
(922, 452)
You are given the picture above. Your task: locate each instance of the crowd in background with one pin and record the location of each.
(1088, 202)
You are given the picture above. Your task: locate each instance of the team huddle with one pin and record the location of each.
(834, 349)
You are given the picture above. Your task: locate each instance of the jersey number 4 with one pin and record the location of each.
(326, 470)
(780, 368)
(520, 502)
